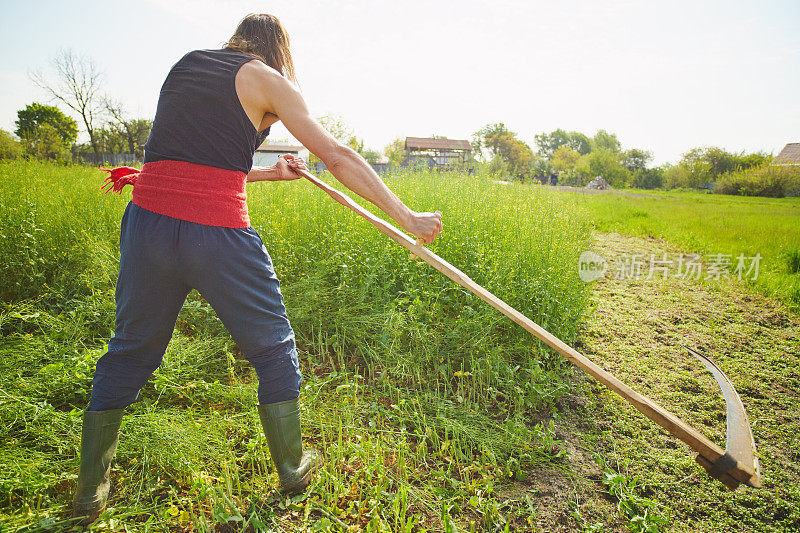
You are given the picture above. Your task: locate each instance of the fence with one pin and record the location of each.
(379, 168)
(108, 159)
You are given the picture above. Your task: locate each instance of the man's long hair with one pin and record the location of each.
(264, 37)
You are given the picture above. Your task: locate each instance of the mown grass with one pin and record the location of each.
(636, 331)
(420, 397)
(712, 224)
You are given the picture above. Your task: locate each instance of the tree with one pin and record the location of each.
(517, 154)
(564, 159)
(336, 126)
(641, 177)
(636, 159)
(77, 86)
(580, 142)
(497, 167)
(35, 115)
(705, 164)
(501, 142)
(754, 160)
(717, 162)
(602, 162)
(372, 156)
(112, 139)
(46, 143)
(127, 138)
(480, 138)
(396, 151)
(548, 143)
(542, 169)
(604, 140)
(10, 148)
(135, 130)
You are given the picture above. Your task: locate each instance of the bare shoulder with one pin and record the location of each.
(261, 89)
(261, 75)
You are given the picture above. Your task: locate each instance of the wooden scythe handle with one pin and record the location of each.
(652, 410)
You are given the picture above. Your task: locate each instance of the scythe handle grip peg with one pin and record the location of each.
(420, 242)
(720, 469)
(723, 465)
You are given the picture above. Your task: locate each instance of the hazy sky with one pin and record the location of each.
(664, 76)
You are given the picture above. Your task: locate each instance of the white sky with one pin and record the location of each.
(664, 76)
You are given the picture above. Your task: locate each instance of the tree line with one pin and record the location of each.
(44, 131)
(574, 158)
(559, 157)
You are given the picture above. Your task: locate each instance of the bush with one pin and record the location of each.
(708, 164)
(571, 179)
(676, 176)
(647, 178)
(701, 167)
(497, 168)
(774, 181)
(10, 147)
(46, 143)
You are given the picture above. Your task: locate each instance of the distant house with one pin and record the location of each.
(436, 153)
(790, 155)
(267, 154)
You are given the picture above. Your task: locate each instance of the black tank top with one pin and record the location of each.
(199, 118)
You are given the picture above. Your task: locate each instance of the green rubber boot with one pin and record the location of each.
(98, 445)
(281, 422)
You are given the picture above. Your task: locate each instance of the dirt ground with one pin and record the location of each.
(635, 331)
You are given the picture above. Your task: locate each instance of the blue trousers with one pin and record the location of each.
(162, 259)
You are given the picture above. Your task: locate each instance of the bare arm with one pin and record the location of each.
(263, 174)
(278, 96)
(282, 171)
(345, 164)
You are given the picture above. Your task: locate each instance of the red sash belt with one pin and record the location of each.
(187, 191)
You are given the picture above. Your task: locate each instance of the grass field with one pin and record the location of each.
(712, 224)
(433, 412)
(419, 395)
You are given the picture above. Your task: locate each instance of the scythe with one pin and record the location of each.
(734, 465)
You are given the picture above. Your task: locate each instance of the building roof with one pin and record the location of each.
(790, 155)
(282, 148)
(422, 143)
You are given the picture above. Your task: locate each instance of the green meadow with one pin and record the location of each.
(711, 224)
(430, 408)
(420, 397)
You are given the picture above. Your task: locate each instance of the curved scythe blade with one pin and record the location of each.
(740, 446)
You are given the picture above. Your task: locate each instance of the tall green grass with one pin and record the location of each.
(420, 396)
